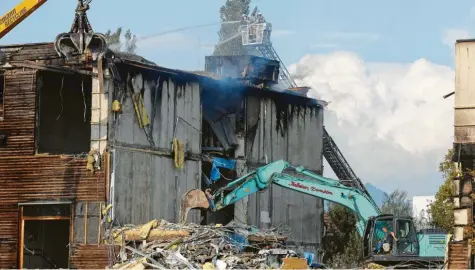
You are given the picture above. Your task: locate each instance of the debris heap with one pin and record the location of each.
(163, 245)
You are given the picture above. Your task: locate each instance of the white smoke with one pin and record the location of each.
(389, 119)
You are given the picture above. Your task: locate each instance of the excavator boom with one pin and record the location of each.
(306, 182)
(15, 16)
(420, 249)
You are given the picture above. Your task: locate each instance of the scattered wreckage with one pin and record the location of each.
(163, 245)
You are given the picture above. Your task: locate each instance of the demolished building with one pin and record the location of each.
(77, 136)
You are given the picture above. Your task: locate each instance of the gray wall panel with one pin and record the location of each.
(151, 187)
(148, 186)
(301, 145)
(176, 101)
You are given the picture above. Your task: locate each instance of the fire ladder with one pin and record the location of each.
(331, 152)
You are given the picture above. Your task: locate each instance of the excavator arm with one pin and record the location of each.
(15, 16)
(306, 182)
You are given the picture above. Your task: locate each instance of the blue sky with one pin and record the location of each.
(400, 30)
(394, 53)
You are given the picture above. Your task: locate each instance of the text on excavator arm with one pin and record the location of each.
(15, 16)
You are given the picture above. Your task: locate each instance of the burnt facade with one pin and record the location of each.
(123, 134)
(46, 188)
(269, 125)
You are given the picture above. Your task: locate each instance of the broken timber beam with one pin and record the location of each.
(154, 234)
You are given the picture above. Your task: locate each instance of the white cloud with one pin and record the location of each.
(450, 35)
(389, 119)
(167, 41)
(282, 33)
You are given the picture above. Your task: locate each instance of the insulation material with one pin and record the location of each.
(140, 110)
(179, 149)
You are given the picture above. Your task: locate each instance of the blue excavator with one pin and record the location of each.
(411, 248)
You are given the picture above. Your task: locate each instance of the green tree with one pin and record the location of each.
(442, 209)
(128, 44)
(342, 244)
(396, 204)
(230, 41)
(351, 257)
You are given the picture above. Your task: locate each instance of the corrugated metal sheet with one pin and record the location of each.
(29, 178)
(8, 236)
(26, 177)
(19, 113)
(459, 256)
(301, 144)
(90, 256)
(48, 177)
(464, 92)
(42, 52)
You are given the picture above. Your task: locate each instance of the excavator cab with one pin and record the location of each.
(407, 244)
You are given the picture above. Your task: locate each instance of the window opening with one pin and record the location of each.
(64, 112)
(45, 236)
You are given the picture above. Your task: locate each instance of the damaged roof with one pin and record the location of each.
(207, 78)
(291, 96)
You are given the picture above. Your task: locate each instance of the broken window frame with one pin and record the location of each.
(23, 218)
(39, 87)
(235, 121)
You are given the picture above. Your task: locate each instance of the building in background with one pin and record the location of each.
(460, 255)
(420, 207)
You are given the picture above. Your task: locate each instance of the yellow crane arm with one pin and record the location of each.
(15, 16)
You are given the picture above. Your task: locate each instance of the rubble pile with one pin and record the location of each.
(163, 245)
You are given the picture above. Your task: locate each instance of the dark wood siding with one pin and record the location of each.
(19, 115)
(39, 178)
(26, 177)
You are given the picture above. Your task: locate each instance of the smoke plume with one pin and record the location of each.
(389, 119)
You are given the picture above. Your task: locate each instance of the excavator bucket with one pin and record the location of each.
(81, 38)
(194, 198)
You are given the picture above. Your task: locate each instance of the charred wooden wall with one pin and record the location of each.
(38, 52)
(147, 185)
(293, 133)
(19, 113)
(27, 177)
